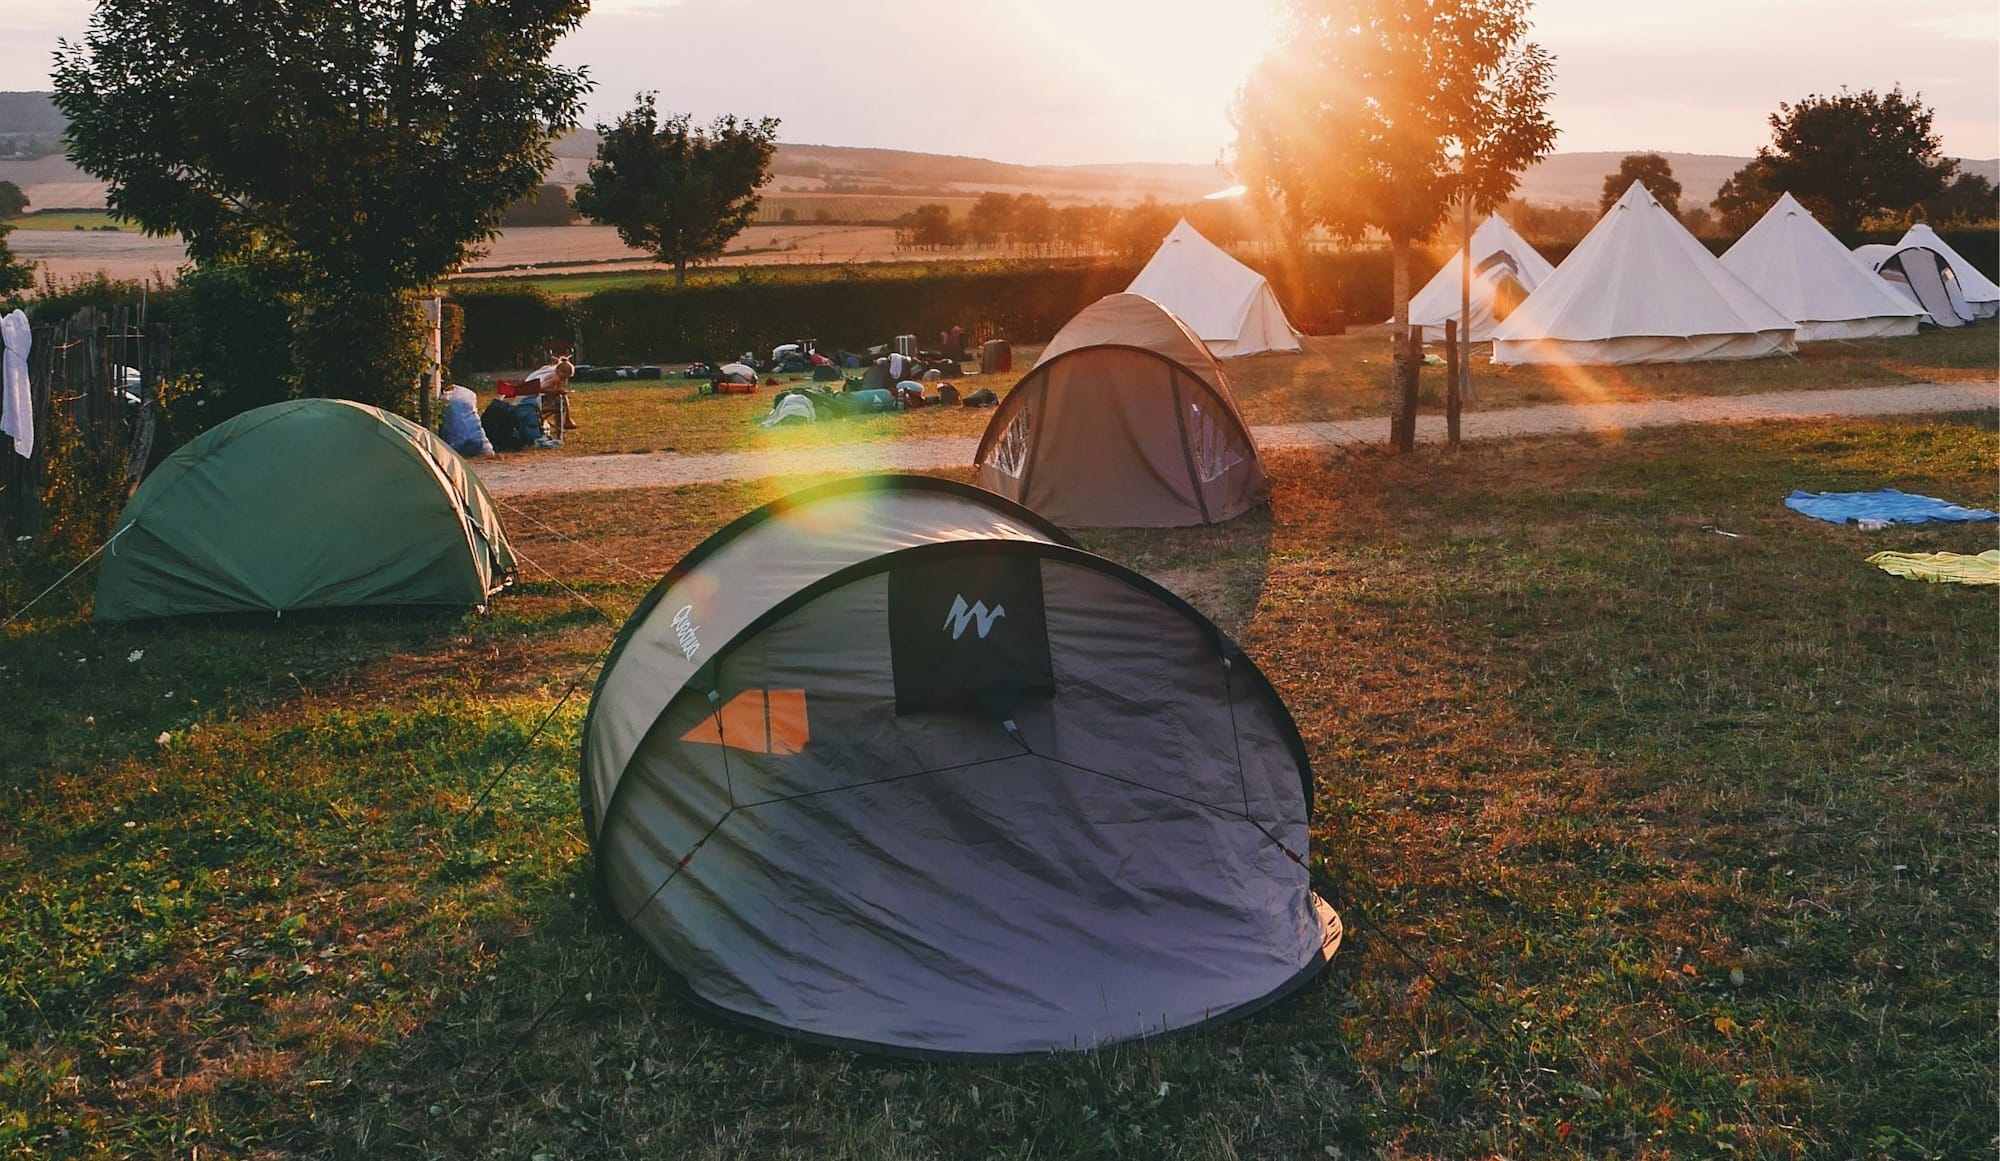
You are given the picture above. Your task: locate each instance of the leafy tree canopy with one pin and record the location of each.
(1745, 196)
(1969, 199)
(1852, 155)
(351, 151)
(1381, 113)
(1656, 172)
(367, 145)
(678, 191)
(13, 203)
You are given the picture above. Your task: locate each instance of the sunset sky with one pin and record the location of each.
(1078, 81)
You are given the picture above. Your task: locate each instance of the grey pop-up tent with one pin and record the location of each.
(890, 764)
(308, 504)
(1126, 421)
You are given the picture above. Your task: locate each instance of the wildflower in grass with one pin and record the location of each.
(166, 738)
(136, 655)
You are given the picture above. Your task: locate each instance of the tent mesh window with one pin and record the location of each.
(1214, 455)
(1010, 452)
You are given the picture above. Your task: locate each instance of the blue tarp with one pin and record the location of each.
(1887, 505)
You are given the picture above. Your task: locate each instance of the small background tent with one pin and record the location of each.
(1640, 289)
(311, 504)
(1225, 302)
(1505, 269)
(1796, 265)
(1921, 277)
(1979, 291)
(1126, 422)
(890, 765)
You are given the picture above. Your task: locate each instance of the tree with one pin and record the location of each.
(1851, 156)
(547, 206)
(990, 219)
(1652, 169)
(674, 190)
(929, 226)
(15, 275)
(1034, 222)
(359, 149)
(1382, 113)
(13, 203)
(1969, 199)
(1745, 197)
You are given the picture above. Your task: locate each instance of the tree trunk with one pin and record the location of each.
(1403, 380)
(681, 272)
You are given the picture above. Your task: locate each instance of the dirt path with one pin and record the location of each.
(517, 474)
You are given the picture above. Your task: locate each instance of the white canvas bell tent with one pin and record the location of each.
(1979, 290)
(1505, 269)
(1798, 266)
(1225, 302)
(1640, 289)
(1920, 275)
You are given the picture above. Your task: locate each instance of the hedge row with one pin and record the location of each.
(510, 325)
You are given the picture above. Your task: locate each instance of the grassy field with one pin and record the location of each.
(1337, 378)
(70, 220)
(1694, 834)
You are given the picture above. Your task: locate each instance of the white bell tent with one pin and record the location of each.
(1798, 266)
(1227, 304)
(1505, 269)
(1640, 289)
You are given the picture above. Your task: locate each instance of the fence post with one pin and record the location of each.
(1454, 352)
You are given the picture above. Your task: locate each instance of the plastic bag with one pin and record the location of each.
(461, 427)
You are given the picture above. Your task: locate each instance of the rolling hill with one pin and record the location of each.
(1566, 179)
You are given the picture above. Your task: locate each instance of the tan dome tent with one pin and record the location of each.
(1126, 421)
(310, 504)
(889, 764)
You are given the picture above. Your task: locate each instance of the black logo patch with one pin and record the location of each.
(969, 634)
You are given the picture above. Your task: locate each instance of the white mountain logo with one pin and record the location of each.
(962, 616)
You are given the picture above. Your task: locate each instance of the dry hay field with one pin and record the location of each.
(67, 254)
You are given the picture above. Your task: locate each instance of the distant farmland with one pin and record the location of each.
(849, 209)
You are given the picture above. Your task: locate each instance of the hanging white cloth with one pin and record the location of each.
(17, 404)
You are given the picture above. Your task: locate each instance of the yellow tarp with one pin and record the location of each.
(1942, 567)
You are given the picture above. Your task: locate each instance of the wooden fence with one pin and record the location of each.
(95, 385)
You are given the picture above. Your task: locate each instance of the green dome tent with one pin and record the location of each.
(311, 504)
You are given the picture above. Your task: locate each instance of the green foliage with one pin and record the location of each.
(368, 348)
(1656, 172)
(547, 206)
(13, 203)
(57, 299)
(507, 325)
(990, 218)
(232, 343)
(929, 227)
(1745, 196)
(16, 275)
(1969, 199)
(363, 148)
(674, 190)
(1851, 156)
